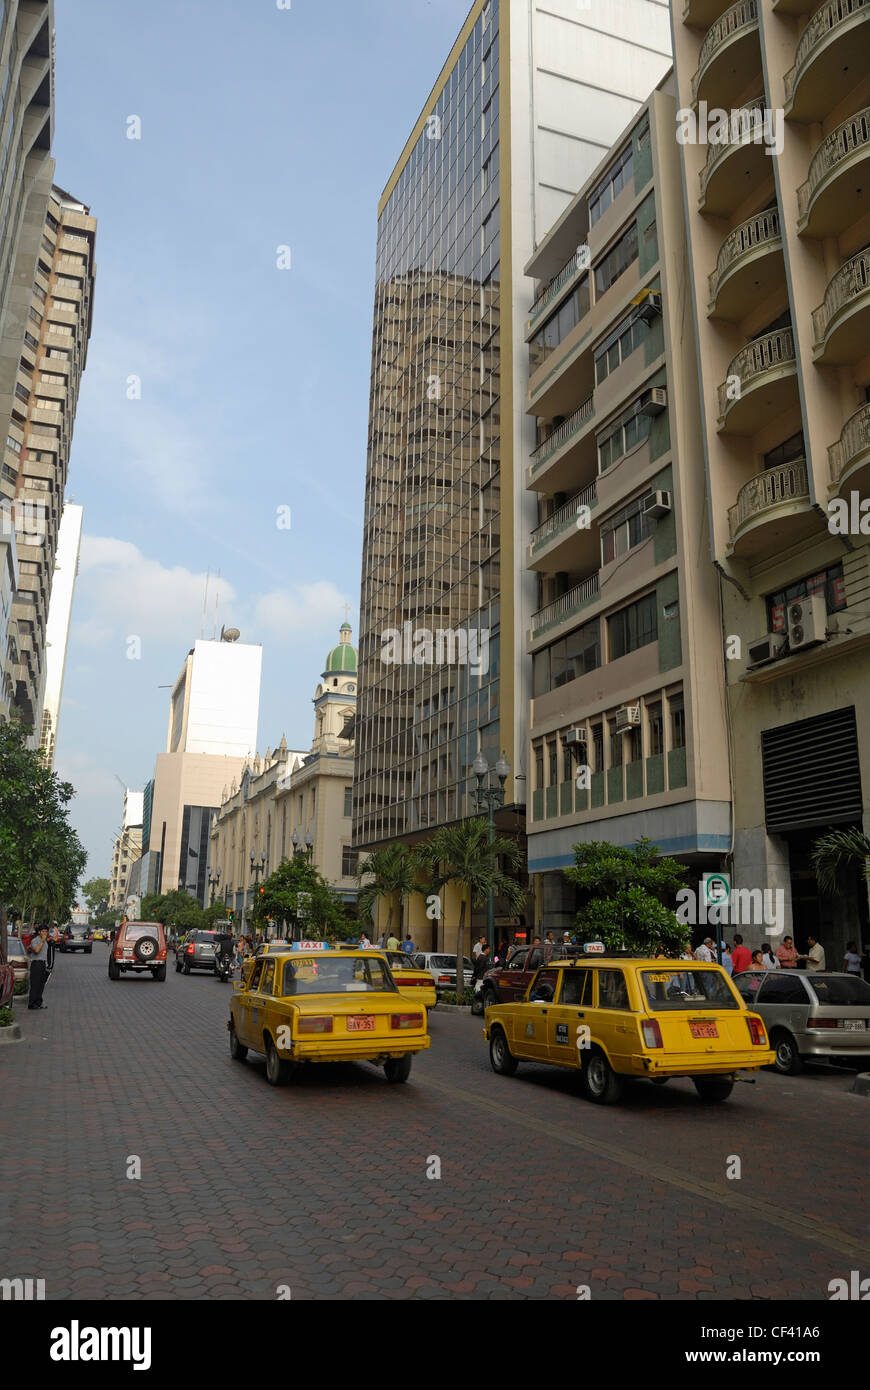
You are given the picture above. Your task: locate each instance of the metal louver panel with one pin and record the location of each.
(811, 772)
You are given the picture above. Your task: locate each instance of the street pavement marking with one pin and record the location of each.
(807, 1227)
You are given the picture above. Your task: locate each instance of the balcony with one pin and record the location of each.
(832, 197)
(736, 165)
(832, 55)
(561, 542)
(841, 325)
(729, 51)
(571, 272)
(772, 511)
(849, 458)
(700, 14)
(762, 383)
(748, 268)
(794, 6)
(556, 457)
(565, 607)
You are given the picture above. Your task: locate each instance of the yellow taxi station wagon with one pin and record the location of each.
(309, 1003)
(614, 1018)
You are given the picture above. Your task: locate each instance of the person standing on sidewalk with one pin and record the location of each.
(39, 952)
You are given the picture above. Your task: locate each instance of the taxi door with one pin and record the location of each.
(532, 1020)
(567, 1016)
(246, 1006)
(613, 1020)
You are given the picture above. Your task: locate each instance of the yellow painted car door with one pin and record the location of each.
(564, 1045)
(245, 1012)
(533, 1016)
(613, 1021)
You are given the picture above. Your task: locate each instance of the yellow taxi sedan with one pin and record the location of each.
(613, 1018)
(414, 983)
(309, 1003)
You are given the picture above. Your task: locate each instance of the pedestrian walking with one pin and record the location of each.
(727, 962)
(393, 942)
(741, 955)
(479, 945)
(39, 961)
(408, 944)
(770, 960)
(851, 960)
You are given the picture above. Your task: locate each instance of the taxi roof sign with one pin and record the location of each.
(593, 948)
(309, 946)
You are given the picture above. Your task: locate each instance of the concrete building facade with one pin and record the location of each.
(774, 112)
(529, 98)
(57, 628)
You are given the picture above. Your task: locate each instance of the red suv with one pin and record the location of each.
(138, 946)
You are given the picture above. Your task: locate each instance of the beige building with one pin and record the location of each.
(779, 283)
(294, 802)
(627, 725)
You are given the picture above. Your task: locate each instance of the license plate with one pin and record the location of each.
(361, 1024)
(704, 1030)
(853, 1025)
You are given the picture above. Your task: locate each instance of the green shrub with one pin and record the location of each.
(20, 987)
(7, 1017)
(450, 997)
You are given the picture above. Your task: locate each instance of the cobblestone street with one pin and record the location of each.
(322, 1187)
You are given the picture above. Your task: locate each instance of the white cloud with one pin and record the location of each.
(303, 608)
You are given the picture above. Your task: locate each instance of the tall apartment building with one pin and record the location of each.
(126, 850)
(51, 358)
(779, 226)
(627, 726)
(57, 628)
(211, 736)
(529, 98)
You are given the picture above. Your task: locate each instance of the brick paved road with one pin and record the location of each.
(322, 1186)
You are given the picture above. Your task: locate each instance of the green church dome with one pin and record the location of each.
(342, 657)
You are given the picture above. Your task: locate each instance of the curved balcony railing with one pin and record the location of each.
(788, 483)
(740, 16)
(553, 287)
(852, 135)
(826, 18)
(853, 442)
(563, 515)
(751, 117)
(761, 230)
(561, 434)
(851, 280)
(566, 603)
(752, 361)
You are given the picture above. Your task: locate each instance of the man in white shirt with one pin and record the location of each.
(815, 956)
(479, 945)
(706, 952)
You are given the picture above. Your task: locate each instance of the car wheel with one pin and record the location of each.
(277, 1072)
(145, 949)
(237, 1051)
(159, 972)
(713, 1089)
(398, 1068)
(114, 972)
(788, 1059)
(501, 1058)
(490, 998)
(600, 1082)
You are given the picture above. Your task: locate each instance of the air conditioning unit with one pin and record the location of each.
(628, 717)
(574, 737)
(807, 620)
(654, 401)
(657, 504)
(649, 305)
(766, 648)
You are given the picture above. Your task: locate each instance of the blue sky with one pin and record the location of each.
(261, 127)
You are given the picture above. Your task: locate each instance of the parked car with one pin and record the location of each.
(138, 946)
(617, 1018)
(18, 959)
(442, 967)
(196, 952)
(809, 1015)
(508, 982)
(76, 938)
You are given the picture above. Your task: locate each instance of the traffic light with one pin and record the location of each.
(262, 891)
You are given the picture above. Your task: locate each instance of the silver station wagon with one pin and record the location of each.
(809, 1015)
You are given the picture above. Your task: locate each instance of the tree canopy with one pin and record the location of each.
(623, 892)
(298, 894)
(95, 894)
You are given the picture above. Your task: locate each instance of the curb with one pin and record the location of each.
(861, 1085)
(454, 1008)
(11, 1034)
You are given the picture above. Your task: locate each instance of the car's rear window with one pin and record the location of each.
(443, 962)
(336, 975)
(203, 936)
(667, 988)
(133, 930)
(839, 989)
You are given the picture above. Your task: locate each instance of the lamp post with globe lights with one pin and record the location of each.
(487, 798)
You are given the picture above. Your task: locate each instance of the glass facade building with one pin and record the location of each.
(432, 510)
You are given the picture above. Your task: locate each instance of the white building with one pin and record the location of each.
(66, 568)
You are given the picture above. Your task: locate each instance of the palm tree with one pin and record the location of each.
(42, 892)
(837, 851)
(391, 870)
(462, 854)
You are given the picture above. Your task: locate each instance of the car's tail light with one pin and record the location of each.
(323, 1024)
(444, 979)
(819, 1021)
(406, 1020)
(756, 1031)
(652, 1033)
(190, 949)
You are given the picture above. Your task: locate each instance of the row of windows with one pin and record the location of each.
(631, 429)
(625, 339)
(571, 657)
(572, 310)
(626, 529)
(557, 761)
(609, 187)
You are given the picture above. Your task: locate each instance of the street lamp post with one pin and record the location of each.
(258, 864)
(487, 798)
(214, 883)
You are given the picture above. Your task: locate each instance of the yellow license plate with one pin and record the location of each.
(360, 1024)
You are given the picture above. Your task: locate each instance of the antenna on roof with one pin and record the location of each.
(204, 604)
(217, 599)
